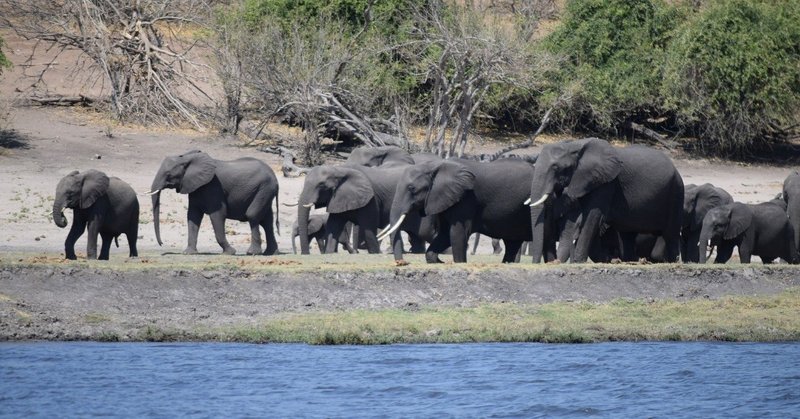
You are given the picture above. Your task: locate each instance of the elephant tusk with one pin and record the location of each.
(394, 228)
(540, 201)
(150, 193)
(527, 201)
(311, 205)
(289, 204)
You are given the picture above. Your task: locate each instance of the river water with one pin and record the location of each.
(469, 380)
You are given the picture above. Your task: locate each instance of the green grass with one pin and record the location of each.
(752, 319)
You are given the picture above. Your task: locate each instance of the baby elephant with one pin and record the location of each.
(761, 229)
(103, 205)
(317, 231)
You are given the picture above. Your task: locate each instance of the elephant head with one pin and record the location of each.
(430, 188)
(724, 223)
(791, 195)
(78, 191)
(379, 156)
(185, 173)
(697, 201)
(574, 168)
(338, 188)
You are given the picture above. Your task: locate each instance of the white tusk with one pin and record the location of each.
(311, 205)
(394, 228)
(540, 201)
(291, 205)
(527, 201)
(150, 193)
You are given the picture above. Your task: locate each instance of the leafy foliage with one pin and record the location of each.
(4, 62)
(615, 54)
(732, 74)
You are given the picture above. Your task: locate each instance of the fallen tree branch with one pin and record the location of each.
(648, 133)
(529, 142)
(62, 100)
(288, 167)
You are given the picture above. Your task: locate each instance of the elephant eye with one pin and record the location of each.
(412, 189)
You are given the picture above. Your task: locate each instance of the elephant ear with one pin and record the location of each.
(95, 185)
(354, 191)
(598, 164)
(450, 181)
(199, 171)
(741, 218)
(708, 197)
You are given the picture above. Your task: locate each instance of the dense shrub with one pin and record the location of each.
(614, 53)
(733, 73)
(4, 62)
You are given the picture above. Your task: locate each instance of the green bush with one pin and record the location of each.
(4, 62)
(732, 73)
(614, 52)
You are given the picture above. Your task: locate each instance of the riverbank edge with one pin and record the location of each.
(587, 303)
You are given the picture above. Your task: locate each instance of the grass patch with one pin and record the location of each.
(761, 319)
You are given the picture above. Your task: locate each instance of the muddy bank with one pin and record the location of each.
(80, 302)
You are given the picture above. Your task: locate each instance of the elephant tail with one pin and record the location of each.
(277, 218)
(116, 241)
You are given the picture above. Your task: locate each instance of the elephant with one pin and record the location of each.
(379, 156)
(634, 189)
(697, 201)
(791, 195)
(467, 197)
(316, 230)
(757, 229)
(496, 247)
(362, 196)
(100, 204)
(241, 189)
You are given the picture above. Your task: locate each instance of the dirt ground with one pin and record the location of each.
(38, 146)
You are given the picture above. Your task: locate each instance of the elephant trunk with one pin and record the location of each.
(703, 245)
(541, 189)
(793, 212)
(58, 212)
(537, 238)
(155, 189)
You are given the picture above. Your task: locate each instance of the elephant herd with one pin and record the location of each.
(576, 201)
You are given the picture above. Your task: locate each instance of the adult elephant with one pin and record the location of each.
(634, 189)
(761, 229)
(241, 189)
(379, 156)
(697, 201)
(791, 195)
(317, 231)
(466, 197)
(100, 204)
(360, 195)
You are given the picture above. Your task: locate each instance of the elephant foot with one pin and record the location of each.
(71, 257)
(431, 257)
(229, 251)
(269, 251)
(190, 251)
(254, 250)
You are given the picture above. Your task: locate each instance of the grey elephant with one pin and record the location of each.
(360, 195)
(791, 195)
(467, 197)
(697, 201)
(317, 231)
(241, 189)
(100, 204)
(379, 156)
(633, 189)
(761, 229)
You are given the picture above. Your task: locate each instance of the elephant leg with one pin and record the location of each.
(105, 246)
(320, 243)
(255, 238)
(194, 217)
(496, 248)
(475, 246)
(628, 246)
(93, 230)
(218, 223)
(75, 232)
(333, 230)
(588, 233)
(417, 243)
(459, 233)
(267, 223)
(692, 252)
(512, 251)
(133, 236)
(724, 252)
(439, 244)
(745, 253)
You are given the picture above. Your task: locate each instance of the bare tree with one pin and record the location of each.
(464, 53)
(141, 48)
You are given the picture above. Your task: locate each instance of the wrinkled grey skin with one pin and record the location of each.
(634, 189)
(697, 201)
(100, 204)
(379, 156)
(317, 231)
(467, 197)
(761, 229)
(241, 189)
(791, 195)
(360, 195)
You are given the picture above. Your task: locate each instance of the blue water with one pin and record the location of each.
(483, 380)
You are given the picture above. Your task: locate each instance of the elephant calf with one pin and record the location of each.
(762, 230)
(103, 205)
(317, 231)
